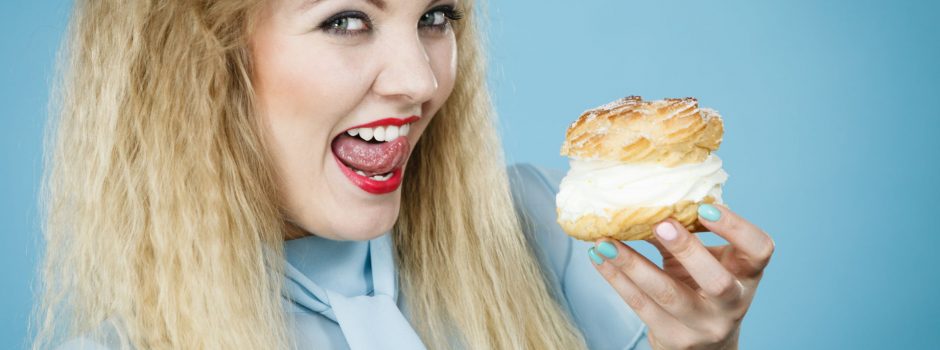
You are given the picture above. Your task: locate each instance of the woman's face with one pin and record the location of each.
(345, 89)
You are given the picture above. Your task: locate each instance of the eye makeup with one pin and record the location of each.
(354, 22)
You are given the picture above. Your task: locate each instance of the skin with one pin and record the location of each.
(312, 84)
(699, 297)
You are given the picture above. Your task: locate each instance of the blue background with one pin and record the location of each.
(830, 139)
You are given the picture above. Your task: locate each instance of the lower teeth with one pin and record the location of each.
(382, 177)
(375, 177)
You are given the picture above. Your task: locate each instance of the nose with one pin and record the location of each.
(406, 72)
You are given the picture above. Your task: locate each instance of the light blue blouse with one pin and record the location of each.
(344, 294)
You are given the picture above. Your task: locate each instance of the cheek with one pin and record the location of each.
(304, 90)
(302, 83)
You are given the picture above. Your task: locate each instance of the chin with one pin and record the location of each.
(352, 220)
(363, 234)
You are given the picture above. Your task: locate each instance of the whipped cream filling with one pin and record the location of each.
(593, 186)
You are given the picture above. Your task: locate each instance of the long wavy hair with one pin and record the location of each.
(162, 215)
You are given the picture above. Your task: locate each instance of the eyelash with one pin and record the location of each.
(451, 14)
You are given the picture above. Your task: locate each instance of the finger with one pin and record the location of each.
(648, 310)
(672, 266)
(673, 296)
(659, 246)
(749, 241)
(712, 277)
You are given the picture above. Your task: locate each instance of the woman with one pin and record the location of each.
(325, 173)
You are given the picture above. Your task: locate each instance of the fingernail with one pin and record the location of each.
(666, 231)
(608, 249)
(709, 212)
(597, 260)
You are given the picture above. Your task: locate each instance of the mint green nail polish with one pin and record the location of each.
(597, 260)
(609, 250)
(709, 212)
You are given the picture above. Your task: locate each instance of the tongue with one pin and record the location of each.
(371, 158)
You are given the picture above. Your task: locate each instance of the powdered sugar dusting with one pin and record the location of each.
(708, 114)
(614, 104)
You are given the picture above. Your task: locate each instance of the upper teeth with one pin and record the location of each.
(380, 133)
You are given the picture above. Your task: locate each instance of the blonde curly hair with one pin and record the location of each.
(161, 206)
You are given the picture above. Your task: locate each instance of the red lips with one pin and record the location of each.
(368, 184)
(386, 122)
(373, 166)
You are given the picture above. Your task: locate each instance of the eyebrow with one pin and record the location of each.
(308, 3)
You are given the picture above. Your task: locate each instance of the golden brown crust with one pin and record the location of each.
(671, 132)
(634, 223)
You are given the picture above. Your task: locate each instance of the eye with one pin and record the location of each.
(347, 23)
(435, 18)
(438, 17)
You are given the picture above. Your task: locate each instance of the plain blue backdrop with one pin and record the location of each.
(831, 123)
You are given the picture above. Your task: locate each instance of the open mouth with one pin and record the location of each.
(372, 155)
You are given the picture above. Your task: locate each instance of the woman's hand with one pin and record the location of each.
(698, 298)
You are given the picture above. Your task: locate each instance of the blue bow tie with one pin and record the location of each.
(367, 321)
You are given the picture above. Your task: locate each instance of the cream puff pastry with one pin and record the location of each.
(635, 163)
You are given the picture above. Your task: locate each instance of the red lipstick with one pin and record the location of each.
(367, 183)
(387, 182)
(386, 121)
